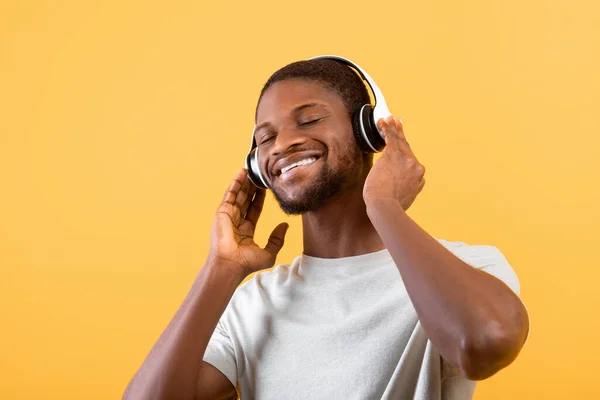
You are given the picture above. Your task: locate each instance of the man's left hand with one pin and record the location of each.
(396, 174)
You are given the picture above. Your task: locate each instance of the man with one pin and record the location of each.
(374, 308)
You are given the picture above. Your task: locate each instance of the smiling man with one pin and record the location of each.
(373, 308)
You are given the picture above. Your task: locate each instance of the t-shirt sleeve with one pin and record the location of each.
(220, 353)
(489, 259)
(486, 258)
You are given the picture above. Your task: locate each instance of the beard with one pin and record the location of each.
(327, 185)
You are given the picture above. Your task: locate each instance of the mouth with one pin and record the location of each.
(295, 169)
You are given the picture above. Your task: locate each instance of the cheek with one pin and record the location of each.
(262, 161)
(347, 153)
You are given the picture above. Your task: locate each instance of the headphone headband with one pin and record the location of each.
(381, 109)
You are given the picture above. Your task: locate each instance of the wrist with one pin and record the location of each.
(225, 269)
(378, 205)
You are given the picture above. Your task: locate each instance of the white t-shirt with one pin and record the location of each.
(341, 328)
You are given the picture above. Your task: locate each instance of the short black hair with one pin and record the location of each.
(335, 75)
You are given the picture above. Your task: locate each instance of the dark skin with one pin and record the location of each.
(474, 320)
(328, 232)
(477, 323)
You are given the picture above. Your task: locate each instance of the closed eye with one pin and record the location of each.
(266, 139)
(310, 122)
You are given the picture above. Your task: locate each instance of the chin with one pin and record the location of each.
(293, 205)
(306, 199)
(315, 189)
(292, 194)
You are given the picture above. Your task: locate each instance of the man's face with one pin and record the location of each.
(306, 149)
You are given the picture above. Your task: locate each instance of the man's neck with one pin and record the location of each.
(341, 228)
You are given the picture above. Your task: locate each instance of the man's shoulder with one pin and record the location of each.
(258, 291)
(487, 258)
(476, 251)
(269, 278)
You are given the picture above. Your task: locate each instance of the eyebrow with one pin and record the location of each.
(295, 110)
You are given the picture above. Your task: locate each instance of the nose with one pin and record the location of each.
(287, 138)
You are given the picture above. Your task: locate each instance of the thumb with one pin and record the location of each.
(276, 239)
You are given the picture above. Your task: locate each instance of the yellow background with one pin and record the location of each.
(122, 123)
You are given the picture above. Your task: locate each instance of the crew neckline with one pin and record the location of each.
(358, 260)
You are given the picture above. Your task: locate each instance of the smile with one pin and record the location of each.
(289, 172)
(306, 161)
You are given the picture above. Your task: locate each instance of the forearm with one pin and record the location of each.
(171, 368)
(474, 320)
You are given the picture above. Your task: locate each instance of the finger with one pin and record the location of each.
(277, 239)
(244, 208)
(243, 193)
(231, 192)
(403, 142)
(256, 206)
(388, 131)
(399, 128)
(380, 122)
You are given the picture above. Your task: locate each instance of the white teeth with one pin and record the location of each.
(296, 164)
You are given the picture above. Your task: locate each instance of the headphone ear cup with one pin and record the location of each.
(365, 130)
(253, 170)
(372, 134)
(358, 134)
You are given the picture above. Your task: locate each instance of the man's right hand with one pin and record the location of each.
(232, 242)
